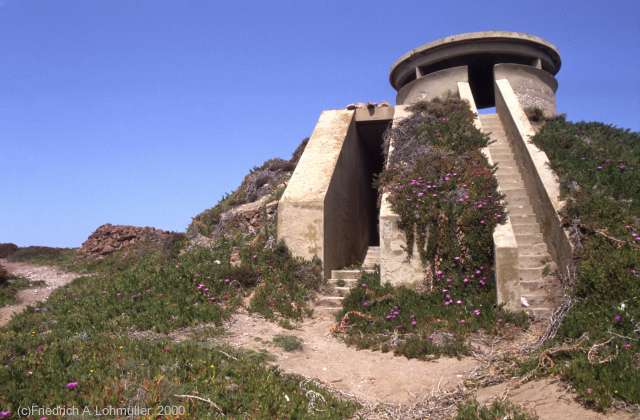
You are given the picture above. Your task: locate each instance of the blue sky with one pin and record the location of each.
(145, 112)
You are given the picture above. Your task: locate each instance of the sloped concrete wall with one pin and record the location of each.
(323, 212)
(533, 87)
(395, 266)
(433, 85)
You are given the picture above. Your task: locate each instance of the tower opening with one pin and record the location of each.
(370, 135)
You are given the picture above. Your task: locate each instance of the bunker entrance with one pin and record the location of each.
(370, 135)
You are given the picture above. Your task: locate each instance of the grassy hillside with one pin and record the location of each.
(599, 170)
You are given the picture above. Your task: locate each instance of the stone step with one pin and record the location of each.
(510, 180)
(515, 193)
(328, 310)
(329, 301)
(534, 249)
(522, 219)
(522, 200)
(529, 238)
(350, 283)
(507, 171)
(503, 157)
(530, 274)
(534, 261)
(531, 286)
(537, 300)
(526, 228)
(348, 274)
(520, 211)
(500, 148)
(540, 313)
(342, 290)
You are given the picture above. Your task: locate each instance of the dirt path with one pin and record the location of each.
(51, 276)
(382, 378)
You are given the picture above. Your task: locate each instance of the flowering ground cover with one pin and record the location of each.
(97, 342)
(599, 170)
(445, 193)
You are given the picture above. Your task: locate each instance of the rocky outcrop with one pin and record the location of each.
(7, 249)
(109, 238)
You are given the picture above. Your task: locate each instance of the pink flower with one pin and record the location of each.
(617, 318)
(476, 312)
(462, 321)
(200, 286)
(5, 414)
(465, 280)
(72, 385)
(458, 302)
(626, 346)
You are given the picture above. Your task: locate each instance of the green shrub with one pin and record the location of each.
(444, 191)
(288, 342)
(497, 410)
(44, 255)
(599, 170)
(419, 325)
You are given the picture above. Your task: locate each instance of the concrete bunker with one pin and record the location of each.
(330, 208)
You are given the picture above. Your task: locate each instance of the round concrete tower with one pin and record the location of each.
(480, 58)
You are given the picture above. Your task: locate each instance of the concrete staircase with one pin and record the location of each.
(341, 281)
(540, 288)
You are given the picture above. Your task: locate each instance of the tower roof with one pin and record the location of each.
(458, 49)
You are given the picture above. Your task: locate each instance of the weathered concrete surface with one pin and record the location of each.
(324, 210)
(395, 266)
(433, 85)
(504, 239)
(301, 208)
(532, 86)
(541, 182)
(347, 217)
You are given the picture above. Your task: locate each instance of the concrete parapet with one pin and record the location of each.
(539, 178)
(533, 87)
(433, 85)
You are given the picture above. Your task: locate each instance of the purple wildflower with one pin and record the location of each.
(617, 318)
(71, 385)
(476, 312)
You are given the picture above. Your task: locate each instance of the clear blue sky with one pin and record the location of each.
(145, 112)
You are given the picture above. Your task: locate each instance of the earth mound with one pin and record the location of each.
(108, 239)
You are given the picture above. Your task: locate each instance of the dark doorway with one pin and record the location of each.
(371, 134)
(480, 72)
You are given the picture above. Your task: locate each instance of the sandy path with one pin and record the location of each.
(371, 376)
(375, 377)
(51, 276)
(550, 400)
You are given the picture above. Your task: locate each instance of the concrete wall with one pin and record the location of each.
(433, 85)
(323, 211)
(347, 216)
(505, 246)
(540, 180)
(533, 87)
(395, 266)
